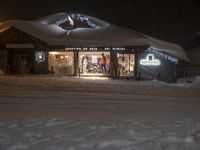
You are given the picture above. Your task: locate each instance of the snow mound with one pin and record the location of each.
(193, 81)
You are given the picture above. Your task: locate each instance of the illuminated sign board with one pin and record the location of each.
(95, 48)
(150, 61)
(40, 56)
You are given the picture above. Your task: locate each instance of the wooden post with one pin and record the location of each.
(76, 64)
(118, 75)
(79, 72)
(158, 77)
(136, 63)
(139, 76)
(52, 72)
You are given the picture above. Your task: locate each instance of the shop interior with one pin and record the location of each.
(94, 63)
(91, 63)
(61, 63)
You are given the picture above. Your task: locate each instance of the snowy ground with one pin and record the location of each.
(66, 113)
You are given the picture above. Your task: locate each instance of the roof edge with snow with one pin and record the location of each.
(107, 35)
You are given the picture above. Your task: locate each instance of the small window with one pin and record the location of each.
(150, 57)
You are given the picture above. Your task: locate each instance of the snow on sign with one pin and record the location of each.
(150, 61)
(39, 56)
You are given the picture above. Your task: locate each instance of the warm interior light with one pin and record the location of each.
(95, 78)
(53, 53)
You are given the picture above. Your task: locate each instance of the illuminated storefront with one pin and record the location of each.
(93, 62)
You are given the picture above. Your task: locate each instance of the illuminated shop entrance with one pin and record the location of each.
(61, 63)
(94, 63)
(126, 63)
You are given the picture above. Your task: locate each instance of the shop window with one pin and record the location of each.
(94, 62)
(62, 63)
(126, 64)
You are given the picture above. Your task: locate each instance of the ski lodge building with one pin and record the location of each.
(74, 44)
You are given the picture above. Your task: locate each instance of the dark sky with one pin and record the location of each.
(174, 21)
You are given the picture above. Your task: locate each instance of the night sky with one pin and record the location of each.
(174, 21)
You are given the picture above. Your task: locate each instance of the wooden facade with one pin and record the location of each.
(17, 50)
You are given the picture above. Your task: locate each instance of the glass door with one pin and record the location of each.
(126, 64)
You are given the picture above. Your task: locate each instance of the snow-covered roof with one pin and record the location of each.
(171, 48)
(77, 30)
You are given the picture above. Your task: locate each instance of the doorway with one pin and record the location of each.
(126, 63)
(21, 64)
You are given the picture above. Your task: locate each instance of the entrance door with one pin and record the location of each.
(94, 63)
(21, 64)
(24, 64)
(126, 63)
